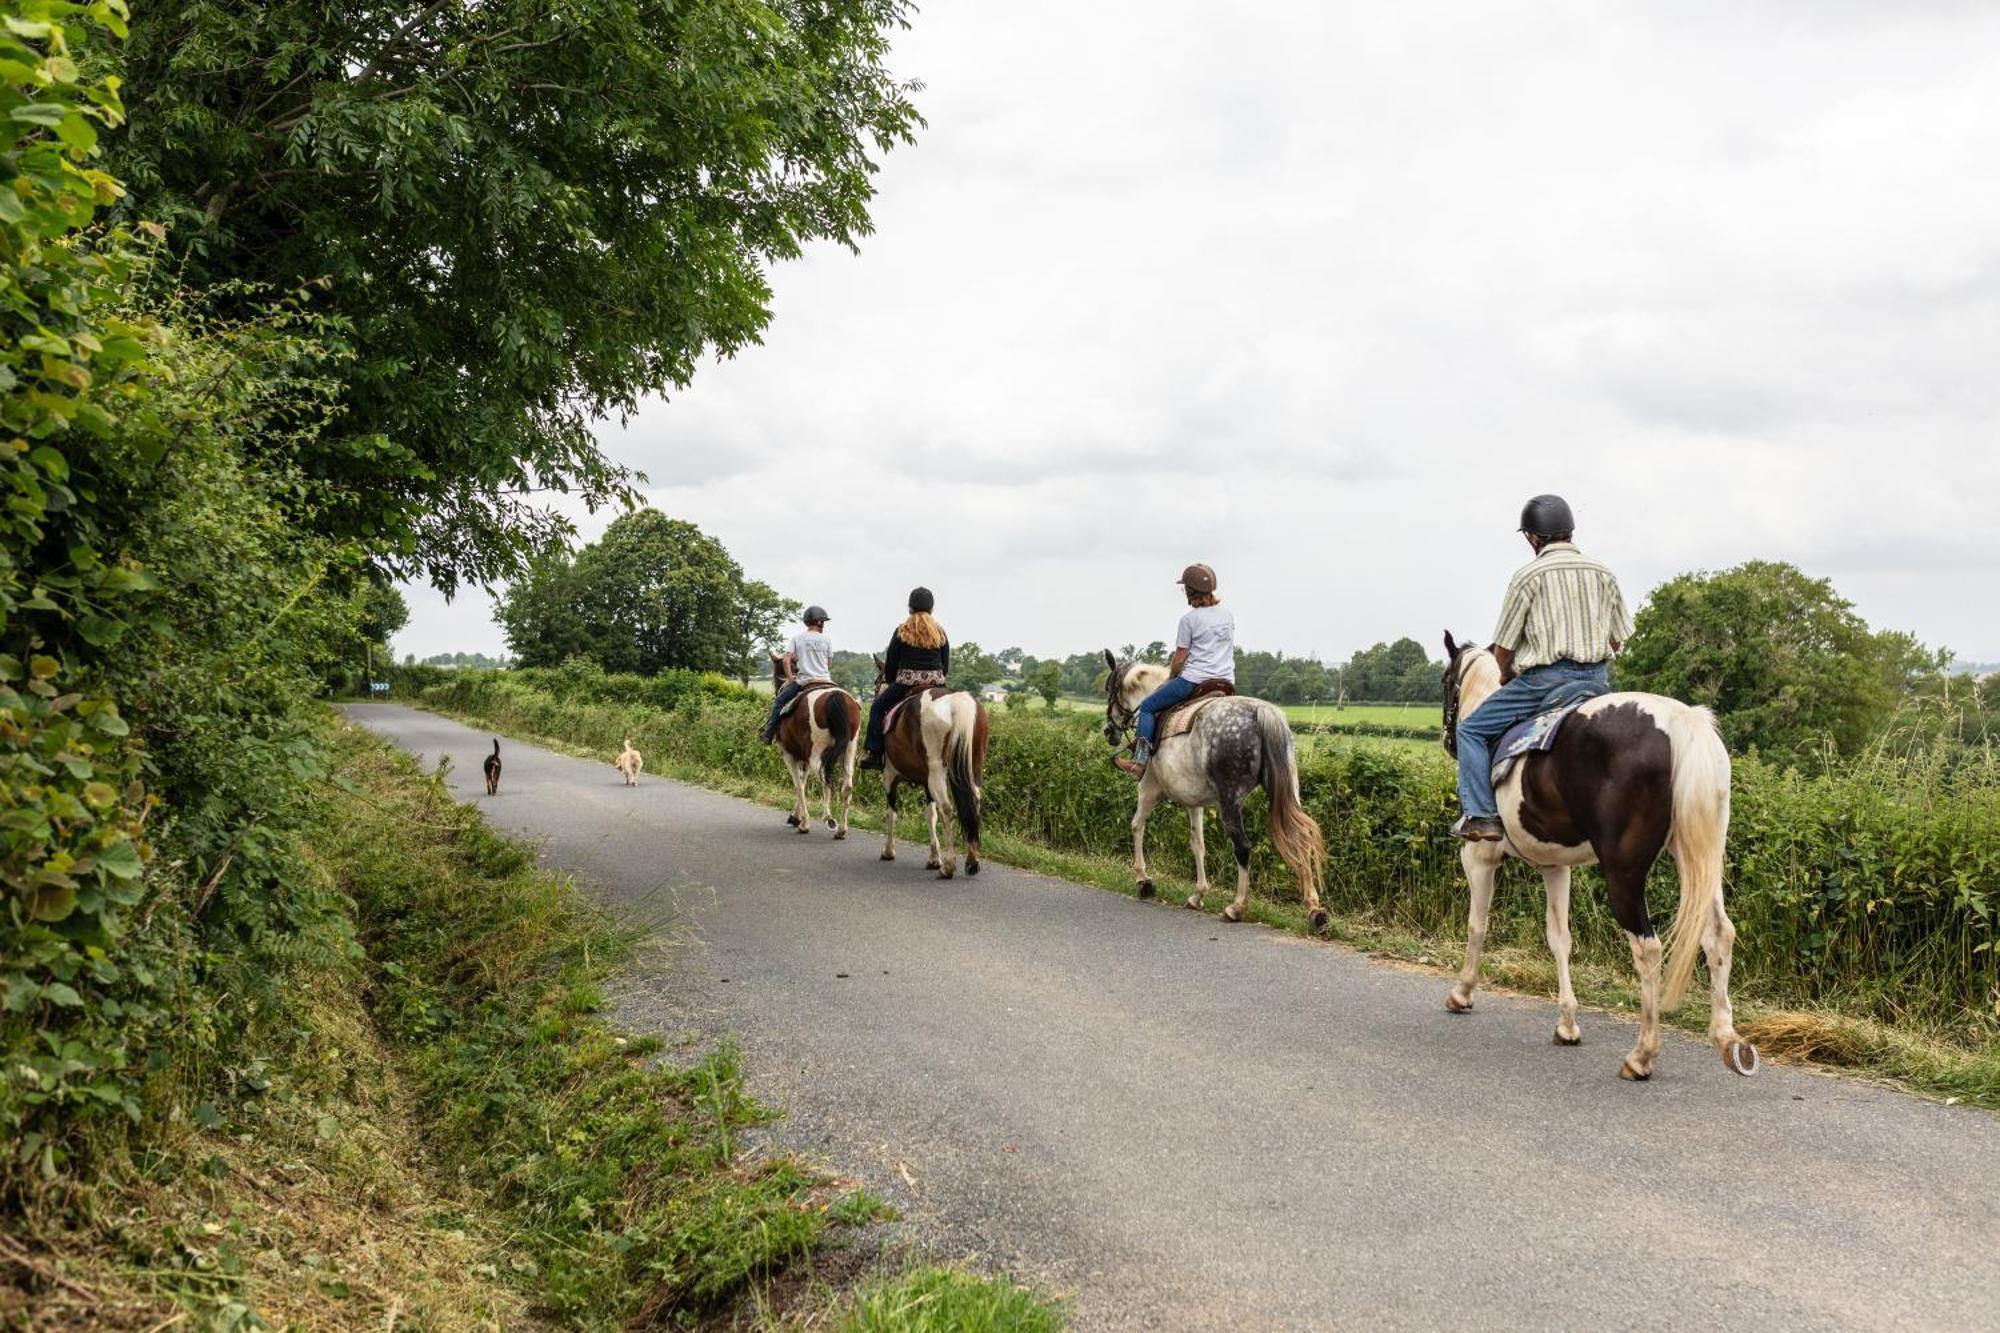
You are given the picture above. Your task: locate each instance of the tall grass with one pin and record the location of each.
(1870, 890)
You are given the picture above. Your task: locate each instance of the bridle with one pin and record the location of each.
(1451, 705)
(1119, 721)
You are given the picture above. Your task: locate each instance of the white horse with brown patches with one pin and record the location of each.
(817, 735)
(1233, 745)
(1628, 776)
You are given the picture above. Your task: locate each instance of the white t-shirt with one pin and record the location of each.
(1209, 635)
(812, 656)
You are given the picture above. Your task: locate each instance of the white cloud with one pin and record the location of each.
(1318, 293)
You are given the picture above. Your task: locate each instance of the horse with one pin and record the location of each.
(1234, 744)
(818, 735)
(935, 741)
(1628, 775)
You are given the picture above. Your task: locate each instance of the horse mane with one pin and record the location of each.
(1152, 673)
(1478, 667)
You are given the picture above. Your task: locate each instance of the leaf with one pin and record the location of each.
(120, 859)
(101, 631)
(46, 114)
(62, 994)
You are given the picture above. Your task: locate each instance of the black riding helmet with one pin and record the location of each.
(1547, 516)
(921, 600)
(815, 615)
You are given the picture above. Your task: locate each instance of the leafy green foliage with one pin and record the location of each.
(1046, 680)
(972, 667)
(530, 215)
(1782, 659)
(652, 594)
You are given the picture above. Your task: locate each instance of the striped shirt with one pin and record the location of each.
(1562, 606)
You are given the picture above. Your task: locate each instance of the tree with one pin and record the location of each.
(972, 668)
(527, 215)
(1783, 660)
(1010, 658)
(761, 618)
(652, 594)
(1046, 680)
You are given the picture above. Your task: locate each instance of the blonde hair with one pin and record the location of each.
(921, 631)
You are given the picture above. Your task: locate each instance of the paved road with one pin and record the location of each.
(1194, 1125)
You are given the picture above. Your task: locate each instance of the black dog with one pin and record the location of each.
(493, 769)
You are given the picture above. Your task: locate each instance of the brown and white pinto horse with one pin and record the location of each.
(818, 735)
(936, 742)
(1629, 775)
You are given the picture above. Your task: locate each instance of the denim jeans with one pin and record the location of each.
(786, 693)
(1176, 690)
(1516, 701)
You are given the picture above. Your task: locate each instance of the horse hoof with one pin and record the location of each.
(1456, 1005)
(972, 867)
(888, 856)
(1567, 1038)
(1741, 1057)
(1319, 920)
(945, 872)
(831, 825)
(791, 821)
(933, 865)
(805, 828)
(840, 835)
(1146, 889)
(1630, 1074)
(1232, 913)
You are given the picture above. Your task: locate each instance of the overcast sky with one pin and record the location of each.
(1320, 292)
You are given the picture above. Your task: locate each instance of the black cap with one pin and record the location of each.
(921, 599)
(1548, 516)
(815, 615)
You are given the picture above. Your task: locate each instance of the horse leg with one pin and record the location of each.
(1625, 885)
(1198, 841)
(1230, 809)
(944, 856)
(889, 795)
(1718, 942)
(801, 816)
(1482, 865)
(1149, 796)
(846, 788)
(1555, 882)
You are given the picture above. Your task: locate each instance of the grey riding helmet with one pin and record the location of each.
(1547, 516)
(815, 615)
(921, 600)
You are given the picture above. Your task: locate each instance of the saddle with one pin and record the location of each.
(1178, 720)
(896, 709)
(807, 689)
(1539, 732)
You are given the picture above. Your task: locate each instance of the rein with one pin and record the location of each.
(1120, 725)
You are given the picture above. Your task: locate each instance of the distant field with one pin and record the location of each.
(1426, 716)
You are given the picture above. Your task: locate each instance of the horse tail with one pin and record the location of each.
(1296, 833)
(840, 713)
(965, 756)
(1700, 828)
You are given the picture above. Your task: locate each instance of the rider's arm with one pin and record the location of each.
(1179, 661)
(892, 661)
(1505, 657)
(944, 657)
(791, 666)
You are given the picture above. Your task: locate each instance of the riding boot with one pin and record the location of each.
(1142, 754)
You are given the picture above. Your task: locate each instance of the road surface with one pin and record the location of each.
(1193, 1125)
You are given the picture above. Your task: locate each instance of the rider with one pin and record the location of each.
(808, 661)
(1204, 650)
(1562, 619)
(919, 656)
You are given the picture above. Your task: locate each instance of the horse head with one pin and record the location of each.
(1467, 668)
(1118, 717)
(777, 667)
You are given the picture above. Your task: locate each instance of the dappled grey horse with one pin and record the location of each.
(1233, 745)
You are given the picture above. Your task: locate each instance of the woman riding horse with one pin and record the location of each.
(1204, 650)
(919, 656)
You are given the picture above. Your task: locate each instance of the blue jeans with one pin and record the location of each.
(1176, 690)
(1516, 701)
(786, 693)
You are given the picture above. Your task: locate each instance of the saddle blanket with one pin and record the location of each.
(1539, 732)
(807, 689)
(1180, 719)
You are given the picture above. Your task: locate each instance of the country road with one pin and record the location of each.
(1194, 1125)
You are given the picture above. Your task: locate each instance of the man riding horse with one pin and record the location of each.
(1562, 619)
(808, 661)
(1204, 650)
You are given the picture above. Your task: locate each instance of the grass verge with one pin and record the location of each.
(1820, 1039)
(443, 1131)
